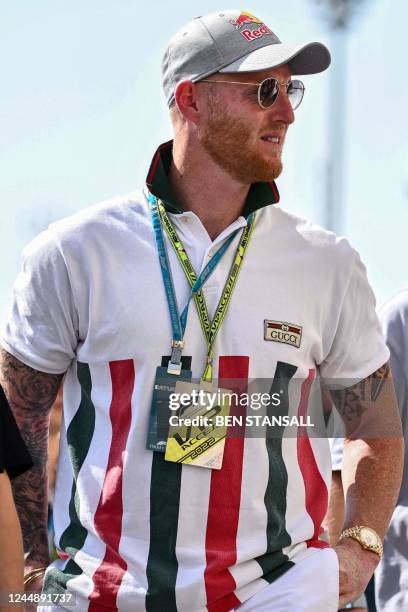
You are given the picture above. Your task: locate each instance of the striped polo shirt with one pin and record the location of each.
(135, 532)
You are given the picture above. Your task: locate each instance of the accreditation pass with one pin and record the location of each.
(197, 419)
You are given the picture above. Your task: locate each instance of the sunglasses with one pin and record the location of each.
(268, 90)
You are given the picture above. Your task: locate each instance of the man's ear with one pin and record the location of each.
(186, 99)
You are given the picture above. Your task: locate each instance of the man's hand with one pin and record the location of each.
(356, 566)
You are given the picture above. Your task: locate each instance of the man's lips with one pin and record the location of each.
(273, 138)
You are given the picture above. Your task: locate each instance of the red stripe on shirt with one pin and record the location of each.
(108, 516)
(316, 493)
(225, 498)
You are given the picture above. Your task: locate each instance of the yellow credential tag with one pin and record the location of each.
(198, 424)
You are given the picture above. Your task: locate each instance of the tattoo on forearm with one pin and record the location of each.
(31, 394)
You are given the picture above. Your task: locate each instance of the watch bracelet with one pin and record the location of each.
(353, 532)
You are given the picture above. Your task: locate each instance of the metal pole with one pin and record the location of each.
(339, 14)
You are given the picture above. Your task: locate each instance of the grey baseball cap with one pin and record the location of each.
(233, 41)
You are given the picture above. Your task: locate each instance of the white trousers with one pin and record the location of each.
(311, 585)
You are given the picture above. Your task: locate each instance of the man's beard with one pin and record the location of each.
(226, 140)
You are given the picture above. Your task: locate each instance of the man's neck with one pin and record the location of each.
(206, 189)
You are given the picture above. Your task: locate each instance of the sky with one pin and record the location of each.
(82, 112)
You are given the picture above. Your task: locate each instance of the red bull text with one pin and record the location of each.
(245, 19)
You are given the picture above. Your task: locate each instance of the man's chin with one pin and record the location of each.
(256, 173)
(267, 172)
(276, 170)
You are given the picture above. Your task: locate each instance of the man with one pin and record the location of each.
(11, 552)
(100, 297)
(391, 589)
(14, 460)
(391, 594)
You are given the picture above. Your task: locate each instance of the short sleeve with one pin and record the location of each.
(358, 347)
(14, 456)
(41, 327)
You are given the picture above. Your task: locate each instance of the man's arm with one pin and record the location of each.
(31, 395)
(371, 472)
(11, 549)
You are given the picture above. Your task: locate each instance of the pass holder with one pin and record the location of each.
(163, 388)
(201, 441)
(198, 427)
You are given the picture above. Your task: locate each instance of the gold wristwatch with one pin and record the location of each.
(366, 537)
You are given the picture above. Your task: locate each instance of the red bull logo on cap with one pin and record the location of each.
(245, 19)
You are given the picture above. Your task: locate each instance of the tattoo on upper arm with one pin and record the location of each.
(26, 388)
(31, 395)
(378, 380)
(353, 402)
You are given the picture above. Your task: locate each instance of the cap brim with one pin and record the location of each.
(309, 58)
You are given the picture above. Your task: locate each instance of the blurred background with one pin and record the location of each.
(82, 111)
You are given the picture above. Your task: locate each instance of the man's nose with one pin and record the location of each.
(283, 108)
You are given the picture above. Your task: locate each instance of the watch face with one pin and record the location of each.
(368, 536)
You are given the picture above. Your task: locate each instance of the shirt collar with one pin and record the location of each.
(260, 194)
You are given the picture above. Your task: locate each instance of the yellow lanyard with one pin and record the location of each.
(210, 329)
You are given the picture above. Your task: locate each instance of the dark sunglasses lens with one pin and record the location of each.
(295, 91)
(268, 92)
